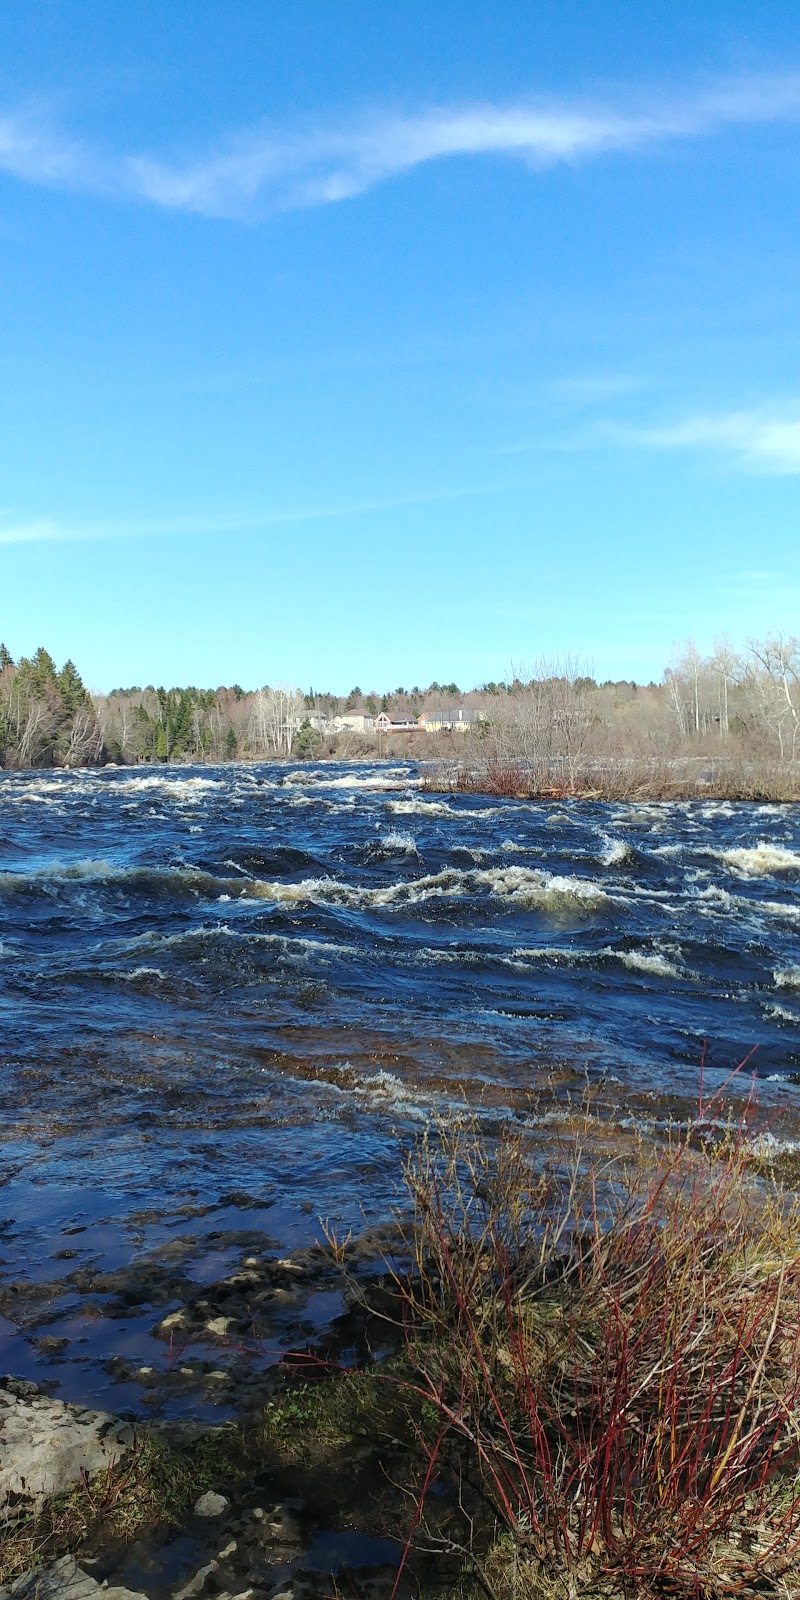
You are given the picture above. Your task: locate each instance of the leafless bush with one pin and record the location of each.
(611, 1355)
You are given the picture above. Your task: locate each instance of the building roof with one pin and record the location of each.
(450, 714)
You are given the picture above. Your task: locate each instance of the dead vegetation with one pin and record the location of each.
(609, 1357)
(154, 1485)
(634, 778)
(576, 1375)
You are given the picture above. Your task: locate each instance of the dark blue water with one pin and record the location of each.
(255, 979)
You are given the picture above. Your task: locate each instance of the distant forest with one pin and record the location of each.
(744, 705)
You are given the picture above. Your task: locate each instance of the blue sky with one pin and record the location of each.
(353, 343)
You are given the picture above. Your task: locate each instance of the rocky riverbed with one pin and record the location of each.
(281, 1493)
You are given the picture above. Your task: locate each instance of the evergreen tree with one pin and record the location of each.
(307, 742)
(6, 658)
(70, 687)
(43, 668)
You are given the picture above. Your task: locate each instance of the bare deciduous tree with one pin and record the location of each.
(775, 676)
(275, 718)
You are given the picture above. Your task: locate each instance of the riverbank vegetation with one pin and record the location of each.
(726, 724)
(572, 1372)
(47, 717)
(154, 1486)
(610, 1355)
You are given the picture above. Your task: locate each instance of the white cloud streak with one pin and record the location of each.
(764, 442)
(262, 170)
(34, 150)
(37, 532)
(47, 529)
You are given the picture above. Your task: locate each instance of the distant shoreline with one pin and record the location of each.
(680, 779)
(636, 781)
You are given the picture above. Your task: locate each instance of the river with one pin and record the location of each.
(228, 993)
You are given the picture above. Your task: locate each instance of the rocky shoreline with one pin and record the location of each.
(273, 1499)
(242, 1542)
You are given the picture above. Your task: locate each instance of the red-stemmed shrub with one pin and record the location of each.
(612, 1353)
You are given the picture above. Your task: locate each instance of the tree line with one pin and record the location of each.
(743, 703)
(47, 717)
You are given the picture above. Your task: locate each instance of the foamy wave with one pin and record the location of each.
(523, 885)
(616, 853)
(718, 896)
(33, 788)
(775, 908)
(142, 972)
(761, 860)
(787, 977)
(555, 953)
(422, 808)
(440, 808)
(95, 785)
(380, 1091)
(167, 784)
(388, 778)
(398, 844)
(58, 872)
(371, 784)
(296, 946)
(769, 1147)
(471, 958)
(390, 1092)
(782, 1014)
(653, 963)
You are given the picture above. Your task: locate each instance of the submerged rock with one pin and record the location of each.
(46, 1445)
(197, 1583)
(63, 1580)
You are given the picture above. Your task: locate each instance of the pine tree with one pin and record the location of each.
(6, 658)
(307, 742)
(43, 668)
(70, 687)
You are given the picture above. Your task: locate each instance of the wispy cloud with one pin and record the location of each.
(765, 442)
(265, 169)
(48, 529)
(589, 388)
(37, 532)
(35, 150)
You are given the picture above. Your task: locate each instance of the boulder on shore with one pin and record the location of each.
(46, 1445)
(63, 1580)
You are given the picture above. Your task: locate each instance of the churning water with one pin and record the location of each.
(254, 978)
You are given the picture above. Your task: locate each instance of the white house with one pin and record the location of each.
(353, 722)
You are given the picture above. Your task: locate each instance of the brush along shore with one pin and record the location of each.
(617, 779)
(572, 1376)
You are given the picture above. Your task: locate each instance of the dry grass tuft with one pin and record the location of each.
(153, 1486)
(610, 1356)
